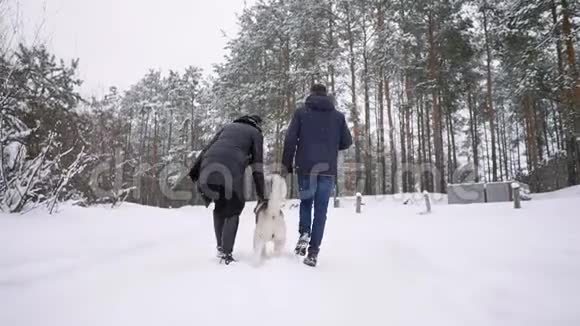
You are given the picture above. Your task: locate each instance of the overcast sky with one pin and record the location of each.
(117, 41)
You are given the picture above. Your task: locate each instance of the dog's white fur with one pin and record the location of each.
(270, 224)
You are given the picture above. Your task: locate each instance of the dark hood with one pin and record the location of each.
(249, 120)
(320, 103)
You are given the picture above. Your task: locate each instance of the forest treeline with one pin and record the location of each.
(476, 90)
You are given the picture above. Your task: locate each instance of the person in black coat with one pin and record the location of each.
(219, 172)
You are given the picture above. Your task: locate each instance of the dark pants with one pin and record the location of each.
(314, 190)
(226, 216)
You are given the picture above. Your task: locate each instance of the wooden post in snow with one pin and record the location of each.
(427, 202)
(516, 192)
(358, 202)
(336, 199)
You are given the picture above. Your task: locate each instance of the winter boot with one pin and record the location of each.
(227, 259)
(311, 259)
(302, 244)
(220, 252)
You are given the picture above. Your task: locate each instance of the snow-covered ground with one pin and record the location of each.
(470, 265)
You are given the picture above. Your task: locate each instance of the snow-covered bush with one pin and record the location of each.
(41, 145)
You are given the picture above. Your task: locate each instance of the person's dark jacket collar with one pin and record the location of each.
(319, 103)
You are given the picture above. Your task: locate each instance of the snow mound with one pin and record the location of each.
(569, 192)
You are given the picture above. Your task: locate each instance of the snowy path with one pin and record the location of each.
(461, 265)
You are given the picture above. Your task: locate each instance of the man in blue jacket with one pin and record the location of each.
(315, 135)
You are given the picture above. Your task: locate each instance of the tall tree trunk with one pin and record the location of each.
(437, 118)
(518, 148)
(392, 148)
(379, 169)
(146, 140)
(381, 133)
(192, 122)
(145, 151)
(512, 155)
(420, 142)
(354, 110)
(531, 133)
(572, 98)
(474, 133)
(489, 102)
(558, 38)
(429, 136)
(504, 128)
(286, 114)
(453, 144)
(381, 107)
(538, 130)
(557, 122)
(449, 150)
(425, 142)
(155, 163)
(169, 142)
(499, 145)
(141, 147)
(331, 41)
(560, 61)
(409, 132)
(442, 177)
(488, 169)
(403, 135)
(128, 150)
(369, 187)
(547, 141)
(527, 141)
(404, 105)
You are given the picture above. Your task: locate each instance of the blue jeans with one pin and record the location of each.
(314, 190)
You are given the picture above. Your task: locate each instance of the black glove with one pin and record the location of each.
(195, 170)
(206, 200)
(259, 183)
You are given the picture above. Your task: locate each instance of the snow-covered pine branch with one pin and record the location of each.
(74, 169)
(19, 189)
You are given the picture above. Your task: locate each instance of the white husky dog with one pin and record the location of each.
(270, 224)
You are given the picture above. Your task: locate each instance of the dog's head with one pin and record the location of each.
(277, 188)
(259, 207)
(276, 193)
